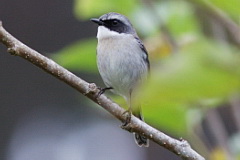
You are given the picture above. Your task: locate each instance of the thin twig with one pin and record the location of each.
(15, 47)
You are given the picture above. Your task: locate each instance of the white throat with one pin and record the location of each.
(104, 32)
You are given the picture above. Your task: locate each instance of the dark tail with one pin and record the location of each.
(141, 141)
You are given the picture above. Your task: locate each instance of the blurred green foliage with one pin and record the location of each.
(228, 6)
(204, 68)
(79, 55)
(85, 9)
(201, 72)
(181, 19)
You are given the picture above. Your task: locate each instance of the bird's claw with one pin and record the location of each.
(102, 90)
(128, 118)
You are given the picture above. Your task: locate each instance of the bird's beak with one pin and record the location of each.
(96, 20)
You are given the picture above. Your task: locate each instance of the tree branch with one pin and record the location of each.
(232, 27)
(15, 47)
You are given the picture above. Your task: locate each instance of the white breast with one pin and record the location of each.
(120, 61)
(104, 32)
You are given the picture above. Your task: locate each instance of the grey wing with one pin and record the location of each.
(145, 51)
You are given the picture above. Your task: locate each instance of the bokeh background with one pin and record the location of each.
(193, 91)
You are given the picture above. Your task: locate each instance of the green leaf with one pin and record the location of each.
(202, 71)
(84, 9)
(169, 117)
(80, 56)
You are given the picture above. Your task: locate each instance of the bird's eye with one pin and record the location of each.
(114, 22)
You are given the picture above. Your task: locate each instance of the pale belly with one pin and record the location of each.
(121, 66)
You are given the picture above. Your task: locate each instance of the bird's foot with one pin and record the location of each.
(102, 90)
(128, 118)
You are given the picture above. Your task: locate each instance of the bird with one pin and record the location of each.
(122, 61)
